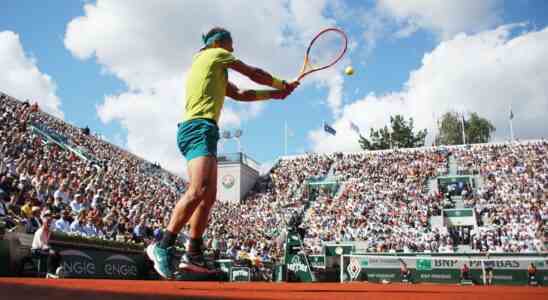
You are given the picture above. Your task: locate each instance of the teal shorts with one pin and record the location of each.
(197, 137)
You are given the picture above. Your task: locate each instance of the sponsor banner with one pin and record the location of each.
(298, 266)
(225, 265)
(94, 263)
(429, 263)
(240, 274)
(316, 261)
(428, 269)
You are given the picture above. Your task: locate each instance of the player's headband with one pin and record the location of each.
(208, 41)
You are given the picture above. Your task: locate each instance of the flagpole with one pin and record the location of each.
(463, 133)
(511, 124)
(285, 138)
(437, 129)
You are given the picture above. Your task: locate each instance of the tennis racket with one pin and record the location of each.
(325, 50)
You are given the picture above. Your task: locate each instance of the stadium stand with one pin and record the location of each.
(49, 164)
(388, 199)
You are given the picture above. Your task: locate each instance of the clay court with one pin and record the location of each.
(65, 289)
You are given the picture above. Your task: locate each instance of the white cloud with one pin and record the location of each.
(149, 46)
(447, 17)
(21, 78)
(484, 73)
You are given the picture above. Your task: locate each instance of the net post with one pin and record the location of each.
(342, 268)
(483, 272)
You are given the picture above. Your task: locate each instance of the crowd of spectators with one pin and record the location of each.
(91, 187)
(384, 201)
(383, 198)
(511, 205)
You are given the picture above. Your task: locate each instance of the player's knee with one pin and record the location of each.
(195, 193)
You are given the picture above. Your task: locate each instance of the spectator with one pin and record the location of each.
(33, 222)
(62, 195)
(77, 205)
(90, 228)
(78, 225)
(6, 215)
(63, 223)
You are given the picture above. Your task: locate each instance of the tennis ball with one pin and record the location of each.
(349, 70)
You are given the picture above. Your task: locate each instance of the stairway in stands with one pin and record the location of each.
(452, 162)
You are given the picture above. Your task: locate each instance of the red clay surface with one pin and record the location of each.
(84, 289)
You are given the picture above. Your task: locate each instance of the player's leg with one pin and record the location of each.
(193, 258)
(199, 220)
(202, 171)
(162, 253)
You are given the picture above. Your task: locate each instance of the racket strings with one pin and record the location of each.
(326, 49)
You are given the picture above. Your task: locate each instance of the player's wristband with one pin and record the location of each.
(278, 83)
(262, 95)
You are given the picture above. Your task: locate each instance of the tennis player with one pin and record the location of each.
(197, 136)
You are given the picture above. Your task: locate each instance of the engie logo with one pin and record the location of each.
(296, 265)
(77, 263)
(120, 265)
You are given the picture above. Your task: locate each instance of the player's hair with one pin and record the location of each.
(217, 30)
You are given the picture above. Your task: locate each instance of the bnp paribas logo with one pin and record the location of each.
(424, 264)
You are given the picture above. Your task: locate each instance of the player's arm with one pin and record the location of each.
(261, 77)
(235, 93)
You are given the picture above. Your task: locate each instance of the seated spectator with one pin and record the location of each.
(109, 227)
(90, 228)
(50, 205)
(6, 215)
(62, 195)
(77, 205)
(63, 223)
(141, 231)
(97, 199)
(26, 209)
(122, 230)
(78, 225)
(40, 246)
(34, 222)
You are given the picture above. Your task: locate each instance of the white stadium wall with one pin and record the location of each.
(235, 179)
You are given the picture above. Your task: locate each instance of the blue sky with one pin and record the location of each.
(119, 66)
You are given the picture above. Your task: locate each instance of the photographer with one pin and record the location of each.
(40, 246)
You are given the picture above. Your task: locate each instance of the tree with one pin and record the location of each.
(476, 129)
(400, 135)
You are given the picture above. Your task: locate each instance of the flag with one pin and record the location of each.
(329, 129)
(354, 127)
(511, 114)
